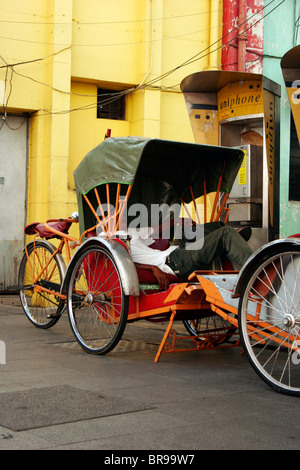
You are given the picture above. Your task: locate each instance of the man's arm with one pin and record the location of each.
(160, 276)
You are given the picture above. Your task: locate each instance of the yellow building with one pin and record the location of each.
(72, 69)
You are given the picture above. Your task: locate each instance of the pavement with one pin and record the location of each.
(55, 396)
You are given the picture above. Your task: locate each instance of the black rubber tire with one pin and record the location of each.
(269, 319)
(97, 305)
(43, 310)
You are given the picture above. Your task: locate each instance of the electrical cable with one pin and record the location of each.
(188, 61)
(122, 43)
(196, 56)
(97, 23)
(116, 44)
(113, 96)
(25, 62)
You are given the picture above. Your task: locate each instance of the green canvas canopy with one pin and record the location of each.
(161, 171)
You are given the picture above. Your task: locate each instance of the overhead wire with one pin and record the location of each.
(30, 61)
(6, 98)
(187, 62)
(116, 95)
(97, 23)
(202, 55)
(115, 44)
(115, 22)
(170, 37)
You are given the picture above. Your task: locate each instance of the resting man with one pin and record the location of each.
(219, 240)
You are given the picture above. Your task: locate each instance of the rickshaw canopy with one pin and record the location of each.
(161, 171)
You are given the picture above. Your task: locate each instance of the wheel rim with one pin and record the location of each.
(96, 303)
(39, 306)
(270, 321)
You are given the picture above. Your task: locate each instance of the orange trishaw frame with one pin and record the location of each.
(117, 174)
(217, 167)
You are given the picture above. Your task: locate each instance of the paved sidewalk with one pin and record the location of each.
(53, 395)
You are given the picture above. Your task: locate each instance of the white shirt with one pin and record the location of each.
(142, 253)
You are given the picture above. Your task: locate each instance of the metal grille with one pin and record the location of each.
(110, 104)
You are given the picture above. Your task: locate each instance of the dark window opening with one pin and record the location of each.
(294, 179)
(110, 104)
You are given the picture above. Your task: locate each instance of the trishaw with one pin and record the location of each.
(256, 306)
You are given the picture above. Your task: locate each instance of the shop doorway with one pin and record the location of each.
(13, 196)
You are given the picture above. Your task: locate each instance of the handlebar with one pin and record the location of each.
(74, 218)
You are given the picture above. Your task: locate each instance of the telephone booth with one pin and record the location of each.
(239, 109)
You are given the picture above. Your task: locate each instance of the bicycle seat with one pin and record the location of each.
(44, 232)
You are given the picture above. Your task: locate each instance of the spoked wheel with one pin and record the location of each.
(269, 320)
(37, 271)
(96, 301)
(213, 328)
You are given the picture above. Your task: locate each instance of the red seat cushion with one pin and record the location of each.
(160, 244)
(146, 277)
(44, 232)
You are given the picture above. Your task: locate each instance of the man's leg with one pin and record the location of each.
(191, 236)
(219, 242)
(226, 240)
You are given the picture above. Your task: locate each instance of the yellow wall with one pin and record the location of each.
(61, 50)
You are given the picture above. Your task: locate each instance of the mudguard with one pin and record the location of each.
(123, 261)
(258, 257)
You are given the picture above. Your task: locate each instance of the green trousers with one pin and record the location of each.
(218, 240)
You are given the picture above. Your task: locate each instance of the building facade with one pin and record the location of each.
(72, 69)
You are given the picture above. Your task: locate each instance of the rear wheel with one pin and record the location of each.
(37, 272)
(269, 319)
(97, 305)
(212, 326)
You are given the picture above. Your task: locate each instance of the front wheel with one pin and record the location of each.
(269, 319)
(97, 305)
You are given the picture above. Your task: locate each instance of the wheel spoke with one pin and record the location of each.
(269, 313)
(97, 305)
(41, 307)
(211, 328)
